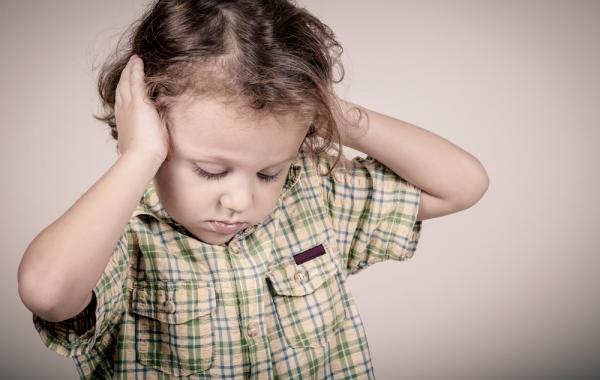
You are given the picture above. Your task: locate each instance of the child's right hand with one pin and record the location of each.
(139, 126)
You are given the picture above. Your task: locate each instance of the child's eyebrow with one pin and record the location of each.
(223, 160)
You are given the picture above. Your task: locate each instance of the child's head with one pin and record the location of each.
(250, 81)
(268, 56)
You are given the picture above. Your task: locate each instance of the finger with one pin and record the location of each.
(123, 89)
(137, 85)
(118, 99)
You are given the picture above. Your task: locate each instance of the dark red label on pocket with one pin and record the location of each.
(305, 256)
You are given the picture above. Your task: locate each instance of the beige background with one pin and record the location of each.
(508, 289)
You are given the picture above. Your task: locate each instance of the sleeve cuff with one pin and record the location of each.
(402, 248)
(79, 334)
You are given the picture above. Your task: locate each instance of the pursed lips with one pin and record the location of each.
(226, 228)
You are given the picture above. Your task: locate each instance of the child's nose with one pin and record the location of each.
(237, 198)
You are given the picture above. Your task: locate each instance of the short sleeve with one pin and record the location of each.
(373, 212)
(90, 331)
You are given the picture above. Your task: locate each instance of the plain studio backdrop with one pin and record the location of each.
(508, 289)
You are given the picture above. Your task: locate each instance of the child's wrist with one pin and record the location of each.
(147, 159)
(352, 124)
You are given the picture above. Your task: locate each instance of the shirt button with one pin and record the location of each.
(169, 307)
(363, 264)
(252, 330)
(301, 276)
(235, 249)
(142, 296)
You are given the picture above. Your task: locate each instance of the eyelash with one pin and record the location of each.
(216, 177)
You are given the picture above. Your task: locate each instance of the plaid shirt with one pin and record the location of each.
(271, 303)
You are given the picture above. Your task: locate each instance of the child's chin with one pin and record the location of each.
(213, 238)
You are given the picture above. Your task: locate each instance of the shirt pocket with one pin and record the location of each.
(173, 325)
(309, 299)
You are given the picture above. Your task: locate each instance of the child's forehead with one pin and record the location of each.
(240, 158)
(190, 108)
(210, 131)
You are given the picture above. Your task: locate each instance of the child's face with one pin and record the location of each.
(209, 136)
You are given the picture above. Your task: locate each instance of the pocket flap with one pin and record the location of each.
(173, 302)
(291, 279)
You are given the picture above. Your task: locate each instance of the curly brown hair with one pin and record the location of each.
(268, 55)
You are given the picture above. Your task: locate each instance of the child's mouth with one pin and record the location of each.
(226, 228)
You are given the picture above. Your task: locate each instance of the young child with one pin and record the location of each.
(219, 243)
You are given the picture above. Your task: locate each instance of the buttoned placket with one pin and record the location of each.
(251, 317)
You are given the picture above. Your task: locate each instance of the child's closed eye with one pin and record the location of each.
(218, 176)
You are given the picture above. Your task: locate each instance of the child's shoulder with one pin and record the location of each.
(149, 205)
(327, 163)
(344, 169)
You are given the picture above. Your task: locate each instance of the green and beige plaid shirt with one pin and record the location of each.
(271, 303)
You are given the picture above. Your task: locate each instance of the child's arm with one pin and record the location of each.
(63, 263)
(451, 179)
